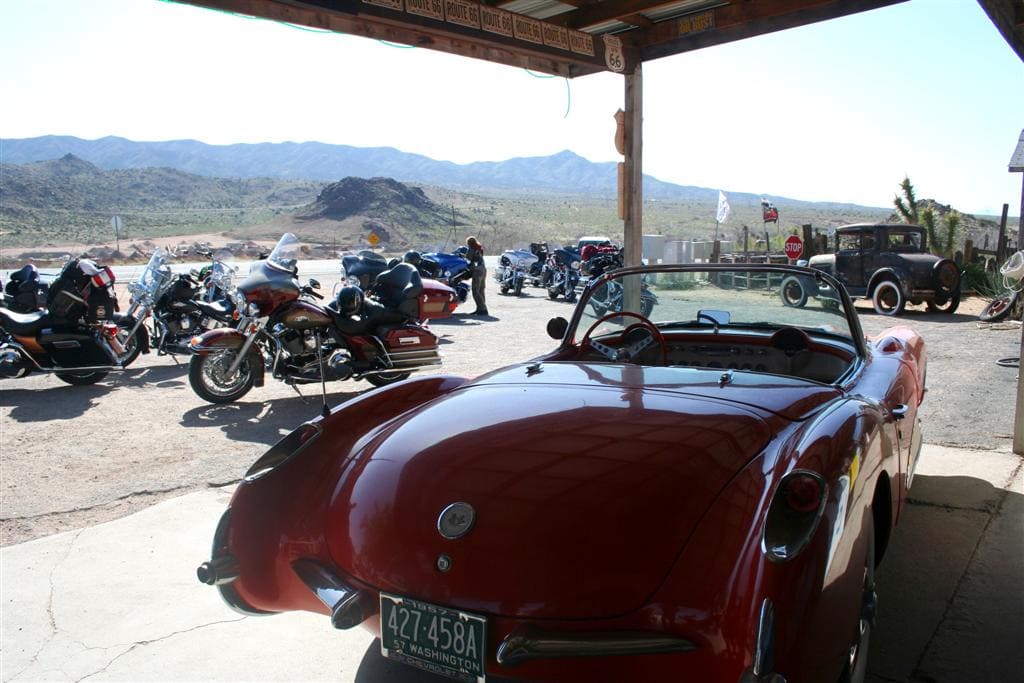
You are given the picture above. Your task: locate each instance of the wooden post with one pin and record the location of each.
(746, 244)
(809, 245)
(1018, 420)
(633, 224)
(1001, 243)
(634, 176)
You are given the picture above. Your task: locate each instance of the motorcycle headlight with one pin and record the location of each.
(575, 265)
(447, 273)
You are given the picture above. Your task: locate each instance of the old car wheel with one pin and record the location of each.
(384, 378)
(949, 306)
(998, 308)
(856, 668)
(81, 379)
(888, 298)
(209, 379)
(793, 293)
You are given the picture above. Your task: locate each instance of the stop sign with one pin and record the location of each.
(794, 247)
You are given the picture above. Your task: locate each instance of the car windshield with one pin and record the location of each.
(285, 255)
(718, 302)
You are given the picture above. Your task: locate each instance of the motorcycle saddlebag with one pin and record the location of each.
(72, 349)
(436, 300)
(409, 337)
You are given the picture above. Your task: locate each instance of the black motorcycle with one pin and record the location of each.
(362, 268)
(564, 267)
(178, 305)
(78, 336)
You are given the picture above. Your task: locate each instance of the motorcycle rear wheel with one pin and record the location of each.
(385, 378)
(81, 379)
(207, 375)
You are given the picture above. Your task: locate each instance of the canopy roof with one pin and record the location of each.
(575, 37)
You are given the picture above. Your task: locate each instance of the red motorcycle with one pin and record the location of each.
(282, 328)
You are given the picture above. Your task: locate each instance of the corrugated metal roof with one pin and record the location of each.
(1017, 160)
(678, 9)
(538, 9)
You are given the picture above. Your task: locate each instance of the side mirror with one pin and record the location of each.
(315, 284)
(557, 328)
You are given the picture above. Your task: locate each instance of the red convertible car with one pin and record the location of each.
(700, 494)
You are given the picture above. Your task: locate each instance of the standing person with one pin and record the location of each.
(475, 256)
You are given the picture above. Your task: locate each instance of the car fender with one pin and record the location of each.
(815, 593)
(289, 501)
(900, 276)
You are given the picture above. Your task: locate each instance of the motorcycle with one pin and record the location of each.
(178, 306)
(564, 267)
(512, 270)
(448, 269)
(607, 297)
(282, 328)
(26, 290)
(78, 336)
(362, 268)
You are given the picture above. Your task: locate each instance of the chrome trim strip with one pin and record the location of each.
(340, 598)
(527, 644)
(764, 652)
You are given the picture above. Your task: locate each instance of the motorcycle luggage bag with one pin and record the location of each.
(72, 349)
(409, 337)
(436, 300)
(67, 305)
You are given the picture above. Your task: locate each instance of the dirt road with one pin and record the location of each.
(71, 457)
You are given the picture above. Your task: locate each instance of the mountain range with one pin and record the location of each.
(562, 173)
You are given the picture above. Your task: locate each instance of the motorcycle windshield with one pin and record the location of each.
(221, 271)
(155, 275)
(285, 256)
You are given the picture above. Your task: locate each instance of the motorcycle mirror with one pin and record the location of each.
(315, 284)
(557, 327)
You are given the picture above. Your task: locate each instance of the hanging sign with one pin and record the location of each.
(432, 9)
(613, 56)
(462, 12)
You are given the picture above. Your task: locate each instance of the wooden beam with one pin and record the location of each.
(518, 41)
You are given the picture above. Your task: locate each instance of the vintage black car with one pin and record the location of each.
(888, 264)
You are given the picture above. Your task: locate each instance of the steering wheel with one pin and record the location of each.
(630, 352)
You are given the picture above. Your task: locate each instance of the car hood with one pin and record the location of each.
(586, 481)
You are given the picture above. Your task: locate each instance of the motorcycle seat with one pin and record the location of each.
(24, 324)
(215, 309)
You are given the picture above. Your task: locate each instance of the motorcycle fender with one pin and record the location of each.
(128, 322)
(216, 340)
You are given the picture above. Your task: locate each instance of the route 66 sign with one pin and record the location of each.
(613, 56)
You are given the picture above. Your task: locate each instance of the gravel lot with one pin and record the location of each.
(71, 457)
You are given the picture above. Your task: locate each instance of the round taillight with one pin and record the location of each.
(803, 492)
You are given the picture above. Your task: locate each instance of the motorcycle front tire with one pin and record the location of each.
(553, 293)
(518, 289)
(206, 376)
(132, 347)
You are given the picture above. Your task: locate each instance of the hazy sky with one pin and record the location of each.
(837, 111)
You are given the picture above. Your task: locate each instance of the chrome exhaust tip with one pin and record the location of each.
(218, 571)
